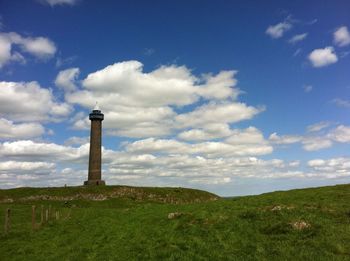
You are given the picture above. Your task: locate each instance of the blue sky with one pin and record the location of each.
(238, 97)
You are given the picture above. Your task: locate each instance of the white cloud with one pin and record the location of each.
(294, 163)
(169, 101)
(341, 36)
(208, 132)
(250, 135)
(196, 169)
(39, 47)
(32, 151)
(5, 51)
(20, 101)
(53, 3)
(144, 104)
(156, 162)
(317, 126)
(313, 140)
(61, 61)
(219, 86)
(323, 57)
(126, 83)
(316, 143)
(27, 150)
(277, 30)
(167, 85)
(341, 102)
(18, 166)
(241, 143)
(77, 141)
(331, 168)
(297, 52)
(139, 121)
(66, 79)
(312, 22)
(297, 38)
(9, 130)
(307, 88)
(340, 134)
(224, 112)
(285, 139)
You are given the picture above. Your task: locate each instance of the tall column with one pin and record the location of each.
(96, 117)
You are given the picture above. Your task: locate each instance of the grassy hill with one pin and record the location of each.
(126, 223)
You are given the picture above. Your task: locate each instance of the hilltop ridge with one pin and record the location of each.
(101, 193)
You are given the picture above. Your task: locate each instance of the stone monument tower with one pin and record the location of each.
(94, 178)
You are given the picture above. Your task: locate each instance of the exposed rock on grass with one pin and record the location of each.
(277, 208)
(174, 215)
(300, 225)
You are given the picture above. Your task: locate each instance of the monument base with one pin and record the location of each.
(96, 182)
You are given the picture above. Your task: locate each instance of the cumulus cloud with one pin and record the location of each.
(53, 3)
(340, 134)
(196, 169)
(219, 86)
(39, 47)
(156, 106)
(142, 104)
(27, 150)
(77, 141)
(9, 130)
(316, 143)
(341, 36)
(209, 131)
(20, 101)
(167, 85)
(240, 143)
(250, 135)
(285, 139)
(146, 158)
(19, 166)
(66, 79)
(33, 151)
(297, 38)
(315, 140)
(331, 168)
(151, 162)
(323, 57)
(218, 113)
(278, 30)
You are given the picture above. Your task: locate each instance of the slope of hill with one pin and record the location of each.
(307, 224)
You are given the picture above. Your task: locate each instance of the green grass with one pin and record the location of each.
(127, 227)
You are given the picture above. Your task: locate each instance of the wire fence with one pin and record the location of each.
(40, 216)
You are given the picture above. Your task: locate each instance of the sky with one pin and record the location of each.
(233, 97)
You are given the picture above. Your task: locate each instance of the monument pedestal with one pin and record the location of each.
(95, 182)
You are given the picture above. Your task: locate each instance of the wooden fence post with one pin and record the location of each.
(50, 213)
(33, 217)
(46, 215)
(42, 215)
(68, 214)
(7, 221)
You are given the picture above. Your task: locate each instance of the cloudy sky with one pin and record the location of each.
(235, 97)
